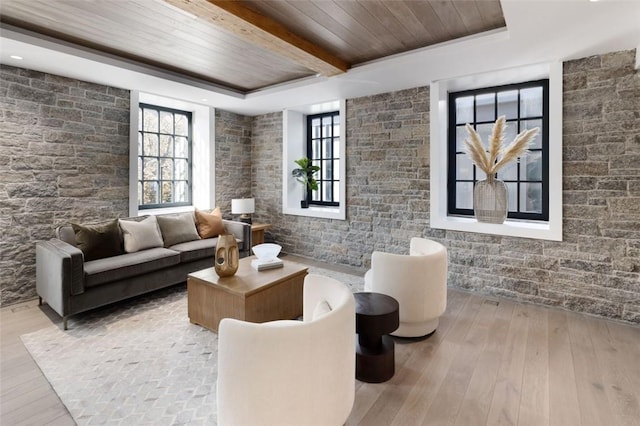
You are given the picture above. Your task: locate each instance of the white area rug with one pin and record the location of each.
(138, 362)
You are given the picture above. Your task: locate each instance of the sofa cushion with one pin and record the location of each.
(209, 224)
(198, 249)
(140, 235)
(103, 271)
(178, 228)
(98, 241)
(194, 250)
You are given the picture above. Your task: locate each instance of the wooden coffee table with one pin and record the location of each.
(248, 295)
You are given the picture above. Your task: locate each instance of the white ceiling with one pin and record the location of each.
(537, 31)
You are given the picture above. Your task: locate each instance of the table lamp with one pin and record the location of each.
(244, 207)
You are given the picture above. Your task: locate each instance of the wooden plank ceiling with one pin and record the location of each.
(252, 44)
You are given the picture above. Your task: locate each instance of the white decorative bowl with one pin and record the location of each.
(266, 251)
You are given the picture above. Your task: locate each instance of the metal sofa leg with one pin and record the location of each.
(39, 301)
(64, 323)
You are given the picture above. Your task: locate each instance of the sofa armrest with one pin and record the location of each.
(241, 231)
(59, 273)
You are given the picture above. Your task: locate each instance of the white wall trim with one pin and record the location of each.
(439, 219)
(133, 152)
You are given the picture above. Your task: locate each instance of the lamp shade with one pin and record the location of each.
(243, 206)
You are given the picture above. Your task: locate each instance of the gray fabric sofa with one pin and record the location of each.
(70, 285)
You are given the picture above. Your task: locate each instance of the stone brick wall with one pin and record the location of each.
(387, 181)
(387, 172)
(266, 171)
(64, 156)
(595, 269)
(233, 158)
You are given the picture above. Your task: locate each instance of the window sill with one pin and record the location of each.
(512, 228)
(317, 211)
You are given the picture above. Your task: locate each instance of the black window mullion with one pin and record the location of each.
(309, 148)
(545, 149)
(452, 155)
(518, 180)
(475, 127)
(322, 137)
(173, 151)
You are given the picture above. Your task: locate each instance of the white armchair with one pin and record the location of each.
(291, 372)
(418, 282)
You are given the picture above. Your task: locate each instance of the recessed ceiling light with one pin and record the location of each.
(16, 57)
(204, 99)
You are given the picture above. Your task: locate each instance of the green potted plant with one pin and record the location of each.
(305, 175)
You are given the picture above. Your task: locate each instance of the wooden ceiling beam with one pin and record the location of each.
(263, 32)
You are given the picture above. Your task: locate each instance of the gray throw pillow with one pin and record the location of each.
(140, 235)
(178, 228)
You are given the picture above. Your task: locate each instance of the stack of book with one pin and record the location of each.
(261, 265)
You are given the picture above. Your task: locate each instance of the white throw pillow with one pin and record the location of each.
(141, 235)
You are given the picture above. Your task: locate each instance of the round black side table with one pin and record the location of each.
(376, 317)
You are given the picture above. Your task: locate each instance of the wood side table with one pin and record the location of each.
(257, 233)
(377, 315)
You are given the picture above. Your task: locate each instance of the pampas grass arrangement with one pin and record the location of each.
(498, 155)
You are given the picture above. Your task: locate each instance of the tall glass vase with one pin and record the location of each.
(490, 200)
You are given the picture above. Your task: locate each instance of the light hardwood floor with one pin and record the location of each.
(491, 362)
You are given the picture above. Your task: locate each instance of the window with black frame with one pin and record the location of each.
(164, 157)
(525, 106)
(323, 148)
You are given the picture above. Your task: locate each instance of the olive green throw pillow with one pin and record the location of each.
(98, 241)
